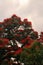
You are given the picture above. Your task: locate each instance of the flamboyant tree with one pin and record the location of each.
(15, 35)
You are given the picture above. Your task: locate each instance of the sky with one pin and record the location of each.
(30, 9)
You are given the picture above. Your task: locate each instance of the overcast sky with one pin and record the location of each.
(31, 9)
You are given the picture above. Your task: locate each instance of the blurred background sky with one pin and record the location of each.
(31, 9)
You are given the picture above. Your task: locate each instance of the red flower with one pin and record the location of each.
(25, 19)
(3, 42)
(29, 44)
(6, 41)
(29, 23)
(42, 33)
(40, 40)
(22, 41)
(36, 33)
(20, 22)
(18, 51)
(14, 16)
(1, 29)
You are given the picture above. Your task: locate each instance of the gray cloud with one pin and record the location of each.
(33, 10)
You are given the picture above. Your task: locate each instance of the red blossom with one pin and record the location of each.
(18, 51)
(29, 44)
(23, 41)
(3, 42)
(6, 41)
(1, 29)
(42, 33)
(25, 19)
(20, 23)
(14, 16)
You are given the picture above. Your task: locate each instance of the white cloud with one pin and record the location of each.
(23, 2)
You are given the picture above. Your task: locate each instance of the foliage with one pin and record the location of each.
(33, 55)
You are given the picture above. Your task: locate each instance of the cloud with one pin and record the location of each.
(31, 9)
(7, 8)
(37, 14)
